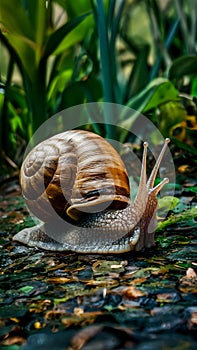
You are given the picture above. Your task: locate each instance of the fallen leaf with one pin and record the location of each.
(13, 340)
(190, 273)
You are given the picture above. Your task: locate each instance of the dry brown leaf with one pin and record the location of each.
(54, 314)
(165, 297)
(133, 292)
(81, 338)
(190, 273)
(78, 311)
(13, 340)
(138, 280)
(80, 319)
(59, 280)
(189, 279)
(130, 292)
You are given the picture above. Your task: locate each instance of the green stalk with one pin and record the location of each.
(183, 24)
(4, 122)
(104, 52)
(36, 101)
(161, 51)
(193, 25)
(105, 65)
(115, 22)
(38, 98)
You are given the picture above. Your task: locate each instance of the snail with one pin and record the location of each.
(77, 184)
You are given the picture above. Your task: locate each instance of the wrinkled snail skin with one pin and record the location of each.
(81, 178)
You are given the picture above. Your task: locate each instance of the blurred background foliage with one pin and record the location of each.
(60, 53)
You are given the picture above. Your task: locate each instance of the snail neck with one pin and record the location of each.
(133, 225)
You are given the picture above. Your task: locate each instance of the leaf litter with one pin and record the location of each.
(145, 300)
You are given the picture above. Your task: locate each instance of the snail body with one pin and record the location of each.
(77, 184)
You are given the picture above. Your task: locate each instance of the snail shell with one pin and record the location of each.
(81, 178)
(71, 172)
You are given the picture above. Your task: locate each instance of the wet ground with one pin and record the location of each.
(131, 301)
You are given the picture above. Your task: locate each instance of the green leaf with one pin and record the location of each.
(72, 96)
(194, 87)
(171, 115)
(136, 81)
(182, 145)
(69, 34)
(190, 214)
(16, 95)
(168, 203)
(58, 84)
(25, 29)
(191, 189)
(26, 52)
(75, 8)
(158, 91)
(185, 65)
(37, 15)
(2, 96)
(14, 19)
(83, 67)
(17, 29)
(26, 289)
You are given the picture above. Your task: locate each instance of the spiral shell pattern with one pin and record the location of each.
(73, 172)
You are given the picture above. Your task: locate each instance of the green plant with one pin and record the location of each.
(134, 53)
(31, 36)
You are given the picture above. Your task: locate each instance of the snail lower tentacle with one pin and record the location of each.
(81, 192)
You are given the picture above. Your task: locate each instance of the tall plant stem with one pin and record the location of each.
(4, 120)
(105, 60)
